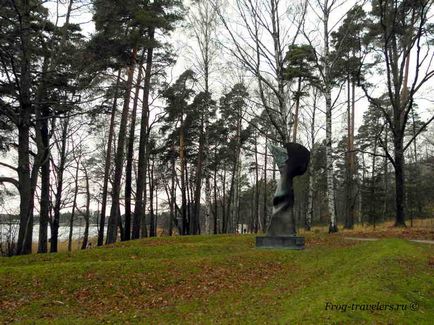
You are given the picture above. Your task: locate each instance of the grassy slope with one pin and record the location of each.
(221, 279)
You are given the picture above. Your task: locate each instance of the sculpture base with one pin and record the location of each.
(282, 242)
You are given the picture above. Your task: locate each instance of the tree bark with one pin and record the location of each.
(59, 189)
(310, 203)
(74, 206)
(195, 223)
(139, 226)
(84, 244)
(265, 210)
(224, 215)
(349, 177)
(231, 198)
(296, 113)
(24, 244)
(185, 226)
(328, 100)
(216, 228)
(152, 230)
(112, 228)
(130, 155)
(399, 182)
(256, 203)
(188, 189)
(45, 184)
(373, 217)
(107, 164)
(172, 192)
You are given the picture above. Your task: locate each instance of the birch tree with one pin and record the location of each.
(326, 64)
(260, 46)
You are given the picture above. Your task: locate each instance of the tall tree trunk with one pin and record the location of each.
(156, 209)
(265, 210)
(349, 195)
(189, 186)
(43, 147)
(330, 174)
(372, 217)
(353, 171)
(363, 186)
(130, 155)
(256, 203)
(252, 226)
(386, 177)
(417, 175)
(310, 205)
(172, 199)
(195, 223)
(24, 244)
(328, 101)
(45, 184)
(208, 204)
(59, 189)
(216, 228)
(237, 198)
(26, 215)
(279, 61)
(185, 226)
(74, 207)
(399, 128)
(234, 180)
(112, 227)
(120, 225)
(231, 198)
(224, 215)
(310, 201)
(107, 164)
(296, 113)
(84, 244)
(399, 181)
(140, 206)
(152, 230)
(207, 149)
(143, 221)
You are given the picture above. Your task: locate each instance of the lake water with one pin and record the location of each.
(77, 232)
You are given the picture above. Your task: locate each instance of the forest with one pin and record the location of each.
(146, 118)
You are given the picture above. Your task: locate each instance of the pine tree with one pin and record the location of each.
(400, 31)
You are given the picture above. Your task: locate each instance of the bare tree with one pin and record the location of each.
(325, 63)
(311, 117)
(260, 49)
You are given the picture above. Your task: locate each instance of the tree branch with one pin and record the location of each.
(10, 180)
(8, 166)
(419, 132)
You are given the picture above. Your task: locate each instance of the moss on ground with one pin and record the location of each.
(221, 280)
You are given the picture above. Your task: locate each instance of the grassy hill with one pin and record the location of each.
(221, 279)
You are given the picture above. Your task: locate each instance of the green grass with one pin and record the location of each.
(220, 280)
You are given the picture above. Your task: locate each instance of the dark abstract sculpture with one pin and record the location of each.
(292, 161)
